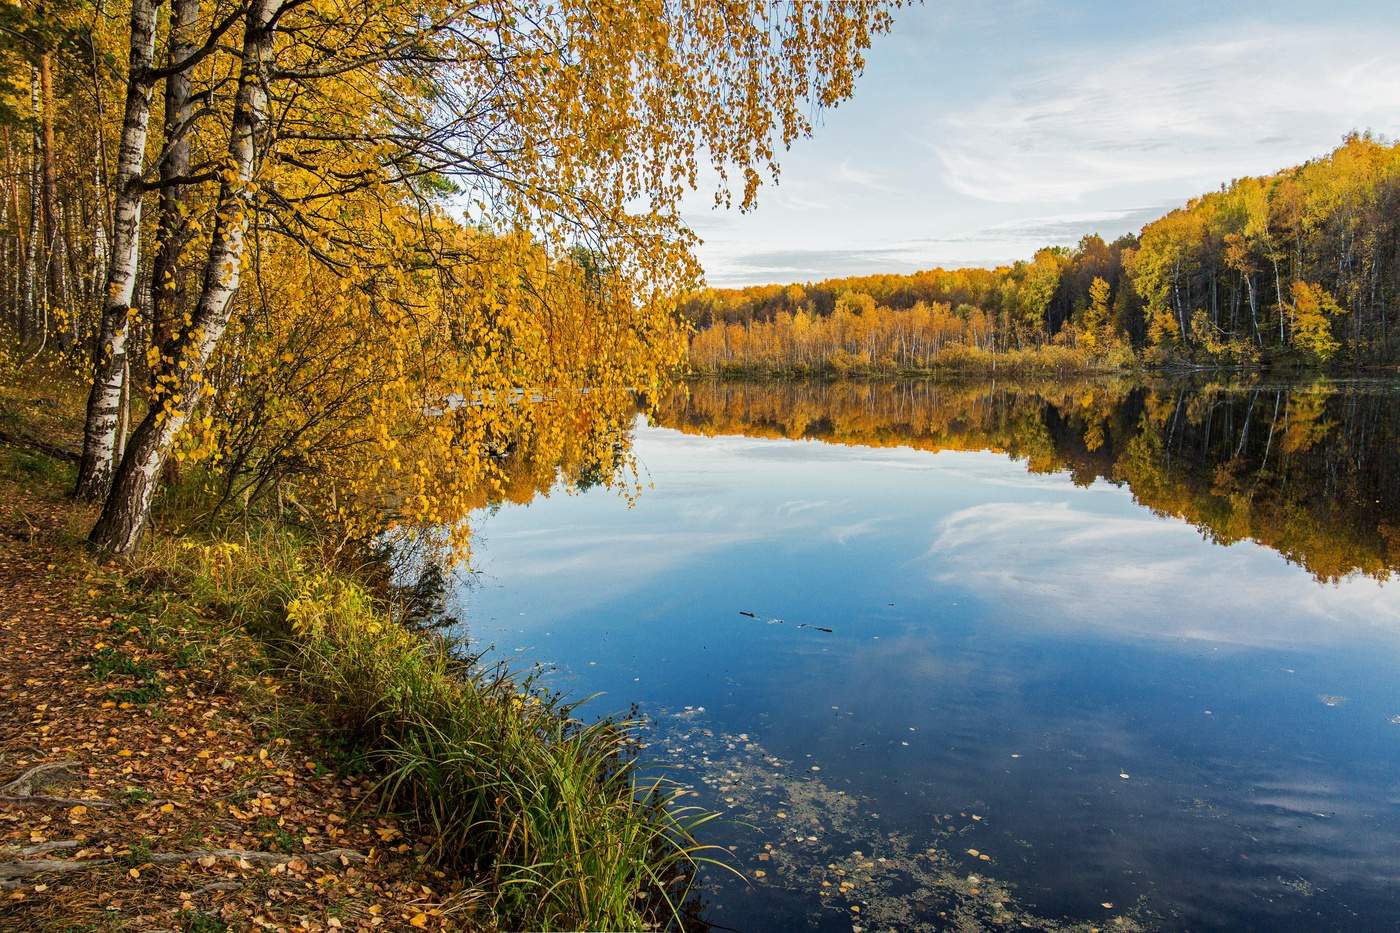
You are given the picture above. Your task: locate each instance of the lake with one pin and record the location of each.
(995, 654)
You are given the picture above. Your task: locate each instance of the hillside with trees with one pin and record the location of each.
(1298, 268)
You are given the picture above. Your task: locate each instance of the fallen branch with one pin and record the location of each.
(261, 858)
(20, 791)
(11, 872)
(53, 450)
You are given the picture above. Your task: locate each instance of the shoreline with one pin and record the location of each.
(266, 715)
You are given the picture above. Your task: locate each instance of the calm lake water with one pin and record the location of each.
(994, 654)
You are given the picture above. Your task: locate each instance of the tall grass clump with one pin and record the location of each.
(547, 812)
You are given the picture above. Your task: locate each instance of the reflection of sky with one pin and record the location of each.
(1035, 546)
(979, 611)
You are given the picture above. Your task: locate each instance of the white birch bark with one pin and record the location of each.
(104, 400)
(128, 505)
(167, 276)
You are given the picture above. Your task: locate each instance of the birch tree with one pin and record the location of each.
(104, 399)
(562, 136)
(127, 506)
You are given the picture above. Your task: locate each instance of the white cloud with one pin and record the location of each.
(843, 534)
(1170, 111)
(1051, 565)
(848, 174)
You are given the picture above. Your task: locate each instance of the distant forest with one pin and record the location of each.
(1301, 267)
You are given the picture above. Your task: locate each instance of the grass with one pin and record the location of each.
(511, 786)
(544, 812)
(197, 921)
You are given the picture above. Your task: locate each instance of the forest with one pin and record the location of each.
(1300, 268)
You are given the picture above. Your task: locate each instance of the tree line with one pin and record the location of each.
(1300, 267)
(352, 258)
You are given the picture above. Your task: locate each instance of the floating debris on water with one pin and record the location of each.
(893, 881)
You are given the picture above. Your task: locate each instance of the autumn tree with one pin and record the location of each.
(1311, 313)
(568, 133)
(1212, 281)
(1096, 316)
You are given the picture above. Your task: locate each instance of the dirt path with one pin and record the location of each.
(147, 788)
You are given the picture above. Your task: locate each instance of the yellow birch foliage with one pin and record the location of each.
(467, 246)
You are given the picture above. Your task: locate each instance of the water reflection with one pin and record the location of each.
(1164, 700)
(1309, 470)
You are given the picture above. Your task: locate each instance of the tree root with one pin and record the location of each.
(217, 886)
(253, 856)
(42, 848)
(44, 800)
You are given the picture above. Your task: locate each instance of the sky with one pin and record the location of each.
(985, 129)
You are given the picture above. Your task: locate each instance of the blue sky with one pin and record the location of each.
(983, 130)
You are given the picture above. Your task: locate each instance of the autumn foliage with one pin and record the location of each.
(1295, 267)
(352, 259)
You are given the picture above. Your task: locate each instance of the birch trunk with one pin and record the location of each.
(29, 296)
(172, 232)
(1253, 308)
(128, 505)
(53, 258)
(100, 428)
(6, 262)
(16, 223)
